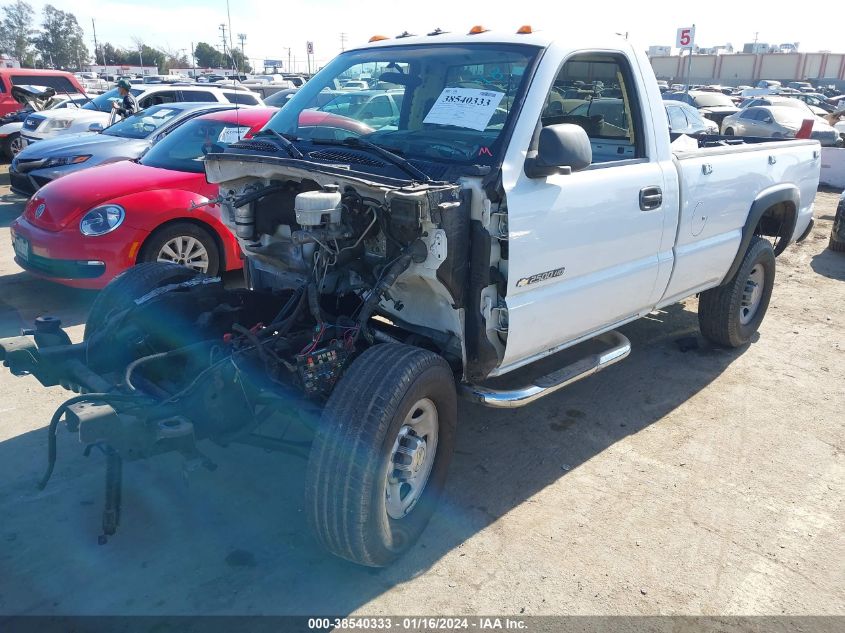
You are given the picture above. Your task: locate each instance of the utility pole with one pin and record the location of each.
(194, 59)
(342, 42)
(242, 38)
(223, 31)
(96, 46)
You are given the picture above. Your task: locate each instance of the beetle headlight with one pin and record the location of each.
(102, 220)
(58, 161)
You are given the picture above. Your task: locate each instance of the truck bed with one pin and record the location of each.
(719, 181)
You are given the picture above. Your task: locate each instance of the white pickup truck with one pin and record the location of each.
(391, 270)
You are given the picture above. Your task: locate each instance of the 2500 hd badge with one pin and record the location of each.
(533, 279)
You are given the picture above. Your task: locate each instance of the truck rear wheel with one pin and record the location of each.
(730, 314)
(380, 454)
(133, 283)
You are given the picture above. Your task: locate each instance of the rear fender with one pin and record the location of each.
(782, 200)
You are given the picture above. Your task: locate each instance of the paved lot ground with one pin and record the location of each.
(705, 482)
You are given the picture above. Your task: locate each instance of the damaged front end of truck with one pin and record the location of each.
(348, 245)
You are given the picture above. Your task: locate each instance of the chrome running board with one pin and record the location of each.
(619, 348)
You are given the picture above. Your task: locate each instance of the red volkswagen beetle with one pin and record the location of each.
(85, 228)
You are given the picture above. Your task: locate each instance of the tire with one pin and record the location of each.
(133, 283)
(347, 499)
(12, 145)
(161, 246)
(724, 314)
(837, 231)
(729, 131)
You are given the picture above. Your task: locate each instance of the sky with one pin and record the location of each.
(274, 28)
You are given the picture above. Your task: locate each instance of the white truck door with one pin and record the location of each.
(583, 247)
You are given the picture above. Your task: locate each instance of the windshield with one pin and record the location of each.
(447, 102)
(144, 123)
(103, 102)
(712, 100)
(184, 148)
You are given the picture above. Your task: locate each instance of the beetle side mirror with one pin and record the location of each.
(561, 149)
(95, 127)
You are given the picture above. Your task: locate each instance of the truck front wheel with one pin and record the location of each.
(730, 314)
(380, 454)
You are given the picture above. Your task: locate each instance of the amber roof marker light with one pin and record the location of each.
(524, 30)
(378, 38)
(477, 29)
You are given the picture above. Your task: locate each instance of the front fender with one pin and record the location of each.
(148, 210)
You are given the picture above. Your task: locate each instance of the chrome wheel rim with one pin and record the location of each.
(411, 459)
(752, 294)
(16, 146)
(185, 250)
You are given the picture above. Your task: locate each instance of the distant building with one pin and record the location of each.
(755, 48)
(116, 69)
(659, 51)
(7, 61)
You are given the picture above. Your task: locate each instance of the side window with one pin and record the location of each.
(2, 85)
(596, 91)
(165, 96)
(197, 95)
(750, 114)
(242, 98)
(677, 120)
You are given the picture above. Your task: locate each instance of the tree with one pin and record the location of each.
(240, 62)
(60, 41)
(16, 31)
(208, 56)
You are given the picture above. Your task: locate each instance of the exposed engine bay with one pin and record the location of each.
(351, 249)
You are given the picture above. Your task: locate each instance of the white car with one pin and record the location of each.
(34, 99)
(97, 113)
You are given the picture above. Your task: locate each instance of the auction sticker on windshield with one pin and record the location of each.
(465, 107)
(231, 135)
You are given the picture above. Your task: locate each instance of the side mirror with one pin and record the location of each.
(96, 127)
(561, 149)
(768, 119)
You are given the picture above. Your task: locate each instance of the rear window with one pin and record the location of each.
(244, 98)
(59, 82)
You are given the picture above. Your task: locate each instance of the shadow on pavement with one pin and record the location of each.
(25, 297)
(235, 540)
(829, 264)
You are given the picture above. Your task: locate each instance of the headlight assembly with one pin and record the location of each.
(58, 161)
(58, 124)
(102, 220)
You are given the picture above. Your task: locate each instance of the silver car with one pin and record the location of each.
(776, 122)
(128, 139)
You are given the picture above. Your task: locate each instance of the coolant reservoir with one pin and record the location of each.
(314, 208)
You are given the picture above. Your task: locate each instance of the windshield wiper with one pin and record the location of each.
(389, 156)
(290, 147)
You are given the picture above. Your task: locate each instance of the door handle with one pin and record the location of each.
(651, 198)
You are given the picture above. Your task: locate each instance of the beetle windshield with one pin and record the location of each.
(444, 102)
(186, 146)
